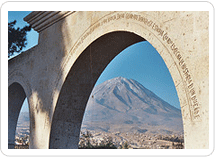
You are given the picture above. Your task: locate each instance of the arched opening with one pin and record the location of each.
(134, 102)
(16, 97)
(74, 94)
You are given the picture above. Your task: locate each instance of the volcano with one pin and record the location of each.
(125, 105)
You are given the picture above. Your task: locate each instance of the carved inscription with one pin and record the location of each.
(112, 18)
(194, 107)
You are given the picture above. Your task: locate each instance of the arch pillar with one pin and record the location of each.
(40, 117)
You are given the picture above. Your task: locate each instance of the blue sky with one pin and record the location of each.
(140, 62)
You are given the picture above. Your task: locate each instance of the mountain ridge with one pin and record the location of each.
(125, 101)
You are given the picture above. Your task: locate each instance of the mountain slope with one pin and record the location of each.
(125, 105)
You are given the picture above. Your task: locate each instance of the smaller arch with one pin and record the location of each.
(16, 97)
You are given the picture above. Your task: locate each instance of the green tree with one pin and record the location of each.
(16, 38)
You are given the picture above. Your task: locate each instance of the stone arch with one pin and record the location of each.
(79, 83)
(142, 26)
(18, 89)
(16, 97)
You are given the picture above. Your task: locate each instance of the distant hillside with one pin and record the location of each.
(125, 105)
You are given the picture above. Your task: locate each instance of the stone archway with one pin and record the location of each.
(144, 26)
(19, 89)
